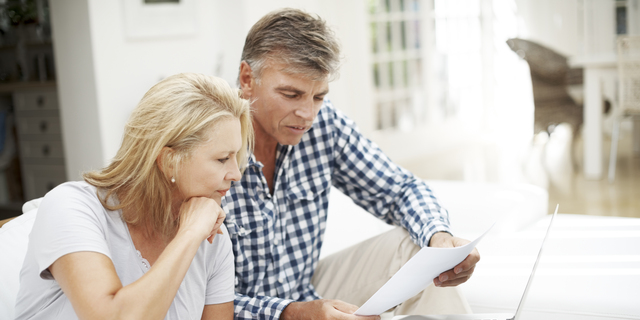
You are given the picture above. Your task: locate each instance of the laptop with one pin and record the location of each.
(491, 316)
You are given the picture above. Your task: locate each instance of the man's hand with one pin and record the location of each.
(322, 309)
(460, 273)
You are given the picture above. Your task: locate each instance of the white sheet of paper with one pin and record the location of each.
(416, 275)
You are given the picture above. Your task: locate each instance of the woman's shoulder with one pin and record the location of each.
(72, 189)
(73, 196)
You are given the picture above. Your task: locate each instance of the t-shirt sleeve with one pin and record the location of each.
(70, 219)
(220, 282)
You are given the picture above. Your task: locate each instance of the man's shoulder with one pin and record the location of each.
(328, 112)
(331, 119)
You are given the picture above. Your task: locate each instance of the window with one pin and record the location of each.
(458, 59)
(398, 62)
(405, 35)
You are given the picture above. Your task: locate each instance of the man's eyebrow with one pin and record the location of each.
(290, 88)
(298, 91)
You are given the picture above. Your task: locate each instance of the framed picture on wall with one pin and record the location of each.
(159, 18)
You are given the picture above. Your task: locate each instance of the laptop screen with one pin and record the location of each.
(535, 266)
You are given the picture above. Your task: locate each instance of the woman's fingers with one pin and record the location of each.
(203, 215)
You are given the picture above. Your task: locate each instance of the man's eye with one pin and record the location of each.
(290, 96)
(319, 98)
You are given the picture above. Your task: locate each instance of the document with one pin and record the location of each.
(415, 276)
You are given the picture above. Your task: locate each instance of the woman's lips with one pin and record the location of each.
(223, 192)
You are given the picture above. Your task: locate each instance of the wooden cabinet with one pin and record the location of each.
(39, 140)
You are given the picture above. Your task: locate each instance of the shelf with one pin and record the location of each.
(46, 44)
(9, 87)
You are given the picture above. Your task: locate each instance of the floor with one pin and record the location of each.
(602, 198)
(552, 162)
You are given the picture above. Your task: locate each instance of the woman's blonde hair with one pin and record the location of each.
(176, 113)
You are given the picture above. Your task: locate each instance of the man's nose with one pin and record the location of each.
(307, 110)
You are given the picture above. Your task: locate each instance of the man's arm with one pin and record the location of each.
(322, 309)
(363, 172)
(274, 308)
(261, 307)
(393, 194)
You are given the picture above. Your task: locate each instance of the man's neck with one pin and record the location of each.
(265, 152)
(265, 146)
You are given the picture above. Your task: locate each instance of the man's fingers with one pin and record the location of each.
(343, 306)
(346, 311)
(453, 283)
(468, 263)
(451, 276)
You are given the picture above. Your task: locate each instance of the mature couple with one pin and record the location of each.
(192, 219)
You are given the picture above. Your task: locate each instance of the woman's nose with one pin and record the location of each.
(234, 174)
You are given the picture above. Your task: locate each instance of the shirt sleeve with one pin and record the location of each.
(69, 219)
(220, 282)
(259, 307)
(364, 173)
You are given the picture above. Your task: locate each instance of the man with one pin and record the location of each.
(303, 145)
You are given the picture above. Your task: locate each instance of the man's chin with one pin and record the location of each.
(290, 141)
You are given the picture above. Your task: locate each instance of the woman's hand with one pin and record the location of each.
(203, 216)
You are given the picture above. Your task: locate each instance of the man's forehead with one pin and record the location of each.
(299, 81)
(294, 71)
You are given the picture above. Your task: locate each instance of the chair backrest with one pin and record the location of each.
(629, 74)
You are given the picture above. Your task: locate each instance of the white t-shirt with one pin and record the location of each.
(72, 219)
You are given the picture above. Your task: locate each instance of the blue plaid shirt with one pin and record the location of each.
(277, 239)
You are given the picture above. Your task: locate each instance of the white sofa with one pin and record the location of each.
(14, 237)
(590, 269)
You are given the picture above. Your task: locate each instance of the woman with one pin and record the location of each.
(128, 242)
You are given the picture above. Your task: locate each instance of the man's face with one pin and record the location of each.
(284, 105)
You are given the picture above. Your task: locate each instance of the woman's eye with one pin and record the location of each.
(223, 160)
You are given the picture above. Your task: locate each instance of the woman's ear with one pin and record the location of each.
(164, 161)
(246, 80)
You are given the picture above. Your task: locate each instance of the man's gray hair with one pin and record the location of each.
(304, 43)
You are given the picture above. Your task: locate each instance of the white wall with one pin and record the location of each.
(77, 88)
(553, 23)
(103, 73)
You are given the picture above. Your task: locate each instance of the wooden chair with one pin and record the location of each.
(551, 79)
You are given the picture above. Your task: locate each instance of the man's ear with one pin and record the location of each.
(164, 161)
(246, 80)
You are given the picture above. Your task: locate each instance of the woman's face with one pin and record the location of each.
(212, 165)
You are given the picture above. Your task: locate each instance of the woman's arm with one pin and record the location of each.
(90, 281)
(222, 311)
